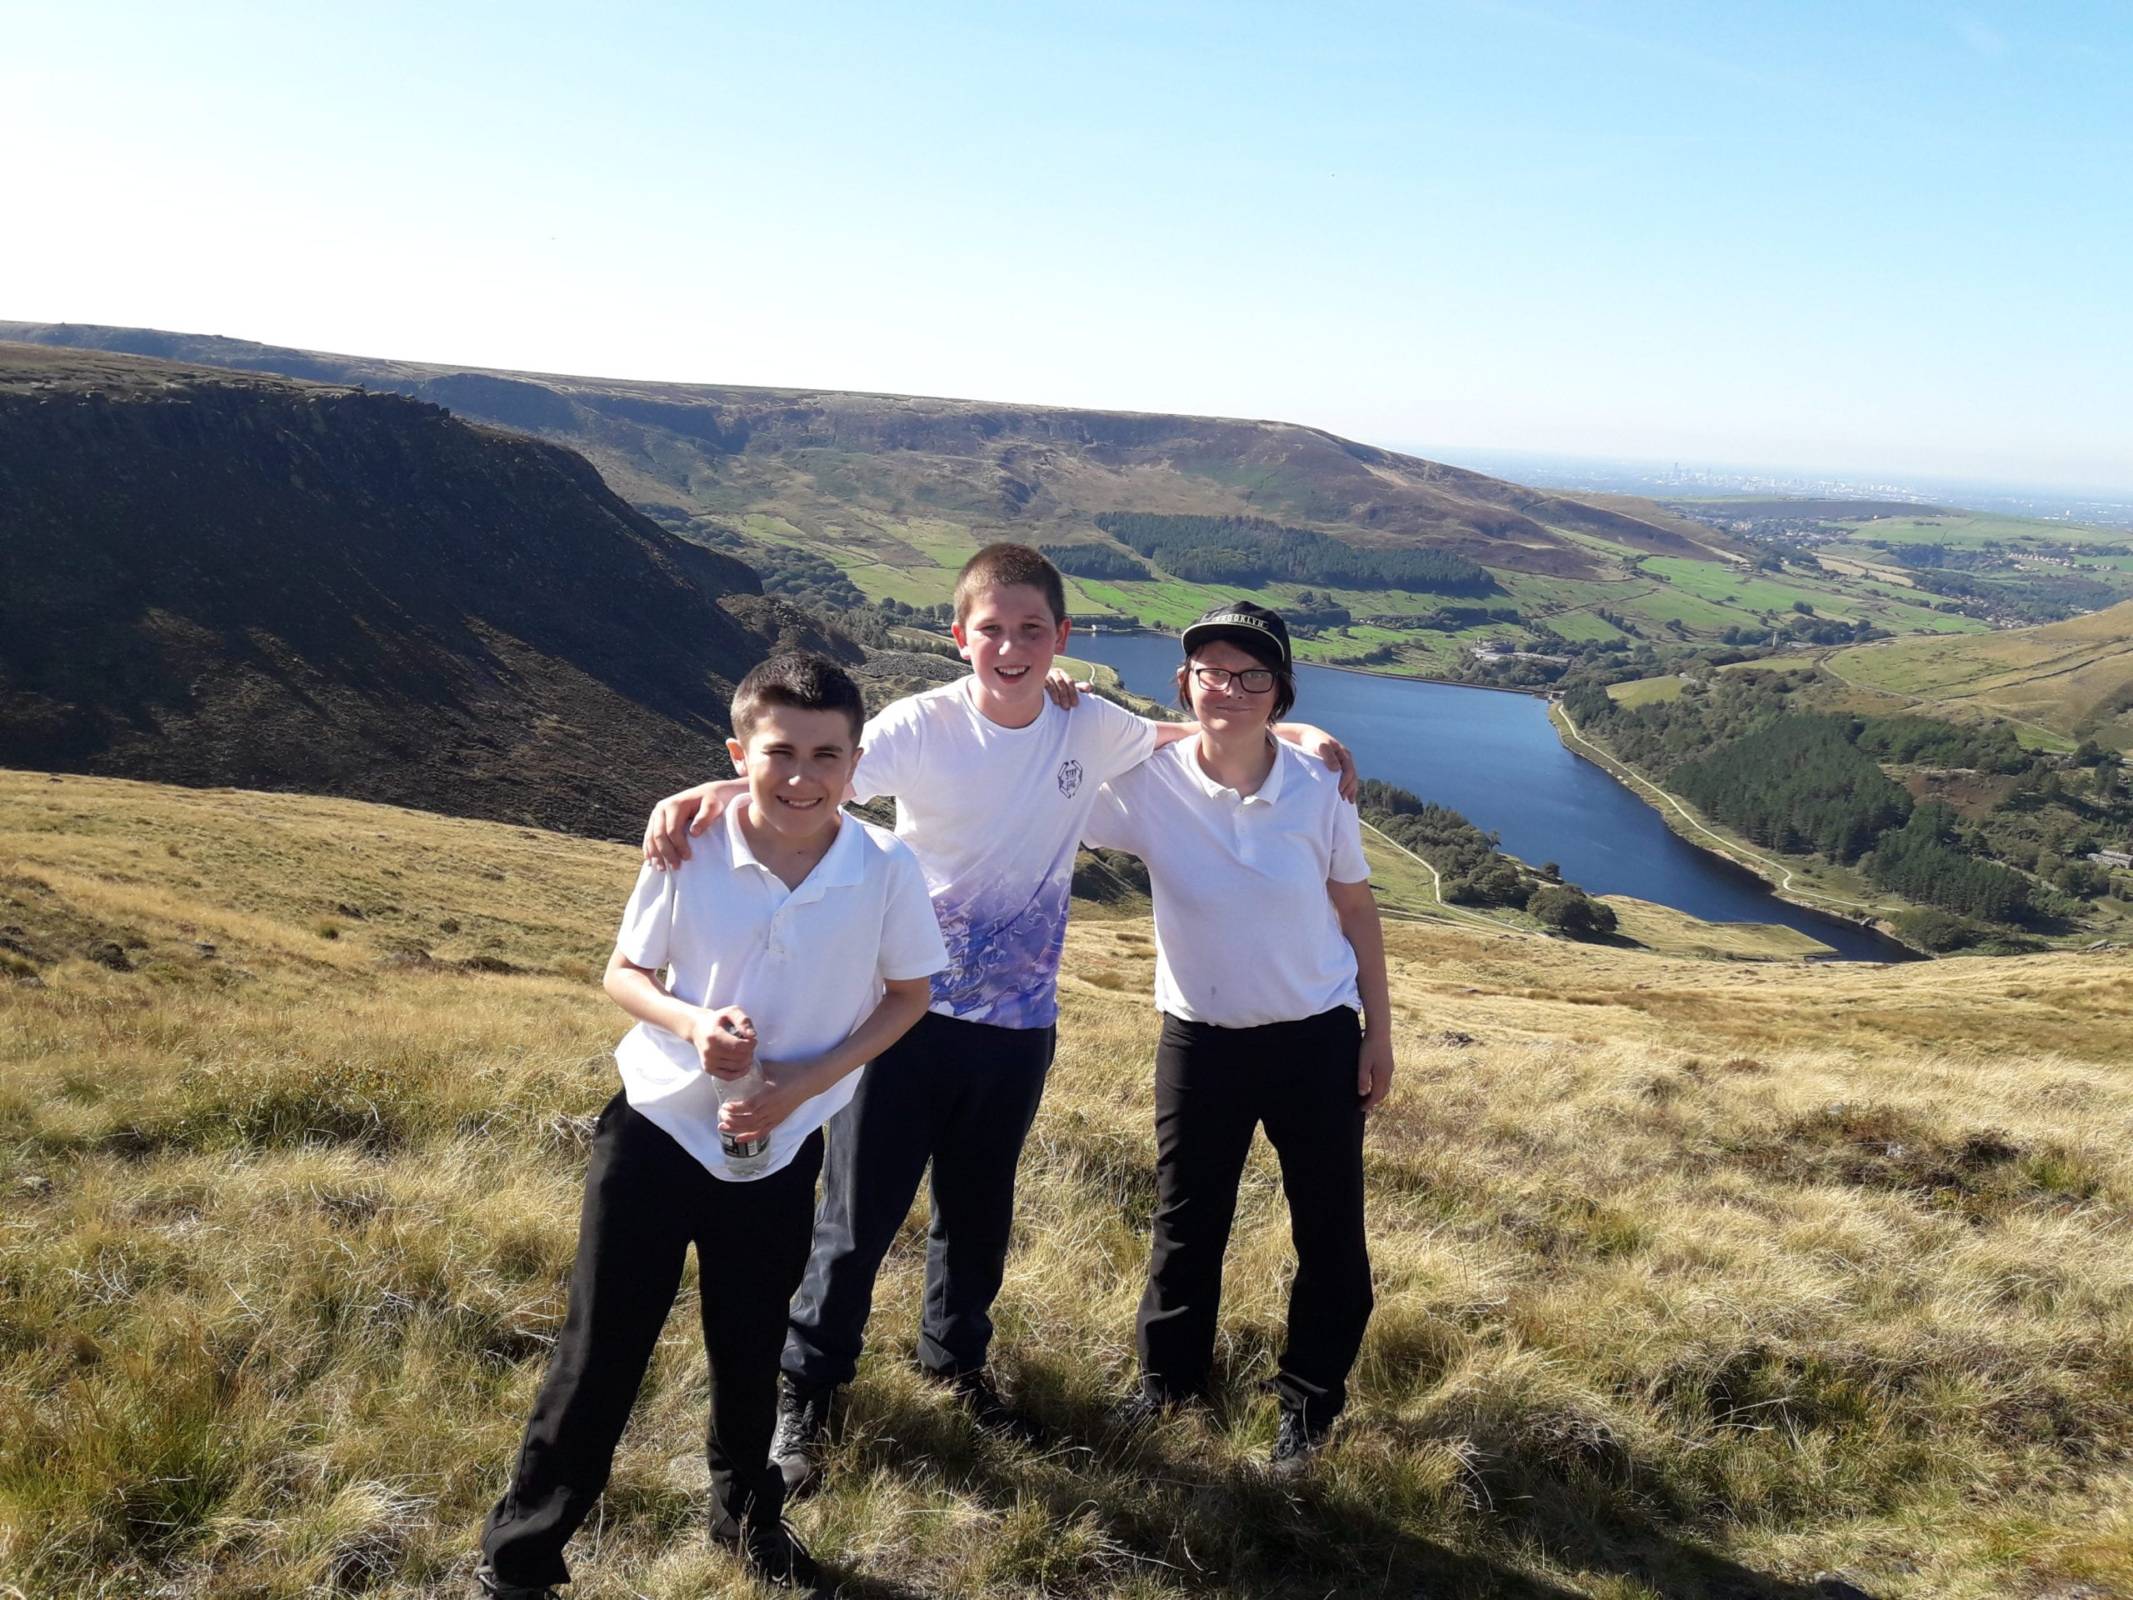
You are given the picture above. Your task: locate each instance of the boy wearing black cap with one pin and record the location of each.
(1267, 946)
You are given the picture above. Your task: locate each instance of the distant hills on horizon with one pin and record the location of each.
(881, 470)
(838, 498)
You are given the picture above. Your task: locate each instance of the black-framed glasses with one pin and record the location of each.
(1252, 680)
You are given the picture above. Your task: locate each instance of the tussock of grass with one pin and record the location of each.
(1692, 1278)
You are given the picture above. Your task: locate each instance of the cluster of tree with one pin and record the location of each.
(1569, 909)
(1922, 861)
(1475, 871)
(1797, 784)
(2093, 753)
(1252, 550)
(802, 575)
(1926, 741)
(2019, 597)
(1661, 735)
(1101, 561)
(1929, 928)
(1923, 557)
(1310, 611)
(1510, 671)
(1811, 629)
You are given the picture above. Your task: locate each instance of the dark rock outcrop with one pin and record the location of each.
(217, 579)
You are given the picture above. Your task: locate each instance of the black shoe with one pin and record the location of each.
(803, 1429)
(771, 1552)
(1296, 1442)
(494, 1588)
(1138, 1411)
(989, 1411)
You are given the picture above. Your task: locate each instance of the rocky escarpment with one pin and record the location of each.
(213, 578)
(864, 463)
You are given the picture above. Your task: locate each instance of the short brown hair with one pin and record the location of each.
(801, 681)
(999, 566)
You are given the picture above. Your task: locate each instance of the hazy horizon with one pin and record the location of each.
(1869, 244)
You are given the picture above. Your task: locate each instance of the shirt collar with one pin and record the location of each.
(1266, 794)
(841, 866)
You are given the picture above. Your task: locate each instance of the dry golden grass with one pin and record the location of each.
(1693, 1278)
(2065, 677)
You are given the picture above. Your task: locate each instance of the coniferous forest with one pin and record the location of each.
(1251, 550)
(1100, 561)
(1797, 784)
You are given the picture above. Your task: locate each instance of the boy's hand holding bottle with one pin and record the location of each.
(724, 1041)
(765, 1098)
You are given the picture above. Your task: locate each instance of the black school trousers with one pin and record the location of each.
(1213, 1087)
(960, 1095)
(646, 1201)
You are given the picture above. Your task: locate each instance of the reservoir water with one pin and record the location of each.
(1496, 759)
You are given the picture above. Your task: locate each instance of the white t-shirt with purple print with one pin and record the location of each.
(994, 816)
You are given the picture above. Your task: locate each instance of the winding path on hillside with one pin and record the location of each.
(1628, 774)
(1436, 879)
(1826, 665)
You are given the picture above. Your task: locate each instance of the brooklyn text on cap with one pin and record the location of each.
(1239, 617)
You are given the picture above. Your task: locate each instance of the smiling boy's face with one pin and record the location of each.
(1009, 636)
(798, 765)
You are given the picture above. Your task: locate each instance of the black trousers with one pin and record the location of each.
(1213, 1086)
(646, 1201)
(960, 1095)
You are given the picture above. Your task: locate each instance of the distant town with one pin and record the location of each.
(1665, 479)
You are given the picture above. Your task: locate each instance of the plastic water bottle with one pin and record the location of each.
(744, 1157)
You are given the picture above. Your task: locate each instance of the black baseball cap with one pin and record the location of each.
(1239, 619)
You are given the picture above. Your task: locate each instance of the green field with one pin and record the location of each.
(1967, 530)
(1647, 691)
(1583, 626)
(913, 559)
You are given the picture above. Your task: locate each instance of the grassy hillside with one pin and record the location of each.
(884, 496)
(1693, 1279)
(2067, 680)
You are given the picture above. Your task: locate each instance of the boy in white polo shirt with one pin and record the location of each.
(993, 783)
(1267, 944)
(798, 940)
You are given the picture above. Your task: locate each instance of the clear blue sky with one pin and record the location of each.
(1849, 236)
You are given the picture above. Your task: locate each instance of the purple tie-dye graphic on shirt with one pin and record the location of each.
(1003, 958)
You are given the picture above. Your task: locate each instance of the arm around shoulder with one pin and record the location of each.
(681, 817)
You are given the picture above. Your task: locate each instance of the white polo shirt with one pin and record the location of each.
(1245, 933)
(994, 815)
(806, 964)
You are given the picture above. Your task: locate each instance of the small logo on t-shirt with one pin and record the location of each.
(1069, 778)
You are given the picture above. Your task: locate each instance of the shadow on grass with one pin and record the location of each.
(1087, 1509)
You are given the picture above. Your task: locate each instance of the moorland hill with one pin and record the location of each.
(1693, 1280)
(871, 463)
(1383, 559)
(216, 578)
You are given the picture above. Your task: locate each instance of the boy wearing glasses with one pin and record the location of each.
(1267, 946)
